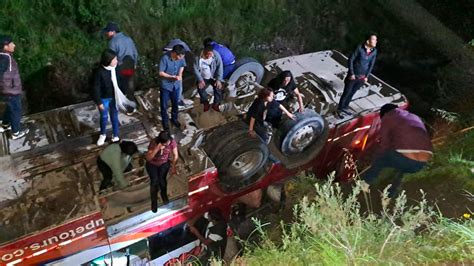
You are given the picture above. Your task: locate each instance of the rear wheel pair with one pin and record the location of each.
(242, 160)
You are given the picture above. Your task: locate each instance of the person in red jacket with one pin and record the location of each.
(404, 145)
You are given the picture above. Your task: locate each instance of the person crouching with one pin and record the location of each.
(113, 161)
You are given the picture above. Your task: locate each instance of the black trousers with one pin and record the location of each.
(158, 183)
(106, 174)
(350, 88)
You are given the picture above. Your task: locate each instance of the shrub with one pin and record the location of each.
(329, 228)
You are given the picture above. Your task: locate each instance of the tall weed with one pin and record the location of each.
(330, 228)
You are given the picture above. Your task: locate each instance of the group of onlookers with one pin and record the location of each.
(116, 77)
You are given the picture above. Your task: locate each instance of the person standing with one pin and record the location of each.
(404, 145)
(108, 95)
(360, 65)
(188, 58)
(127, 56)
(113, 161)
(10, 89)
(228, 58)
(171, 72)
(284, 87)
(208, 70)
(161, 157)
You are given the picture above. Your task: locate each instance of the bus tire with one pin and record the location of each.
(308, 131)
(247, 70)
(240, 160)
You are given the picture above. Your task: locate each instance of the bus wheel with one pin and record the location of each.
(301, 140)
(247, 72)
(240, 160)
(302, 133)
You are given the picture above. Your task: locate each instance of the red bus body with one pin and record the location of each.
(82, 239)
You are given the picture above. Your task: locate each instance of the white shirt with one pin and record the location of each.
(280, 94)
(205, 67)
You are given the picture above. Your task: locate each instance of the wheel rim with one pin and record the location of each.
(244, 86)
(303, 138)
(245, 163)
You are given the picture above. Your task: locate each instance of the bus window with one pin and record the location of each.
(169, 241)
(133, 255)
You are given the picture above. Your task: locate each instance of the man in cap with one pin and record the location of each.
(168, 47)
(171, 69)
(10, 89)
(127, 56)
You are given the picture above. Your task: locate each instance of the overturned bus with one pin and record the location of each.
(53, 212)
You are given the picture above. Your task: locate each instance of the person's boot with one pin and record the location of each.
(215, 107)
(154, 207)
(176, 123)
(206, 107)
(340, 114)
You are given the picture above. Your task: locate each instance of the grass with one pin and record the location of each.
(329, 228)
(59, 43)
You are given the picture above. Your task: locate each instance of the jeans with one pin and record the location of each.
(158, 183)
(264, 132)
(350, 88)
(393, 159)
(109, 107)
(274, 116)
(218, 93)
(180, 92)
(228, 70)
(165, 96)
(12, 113)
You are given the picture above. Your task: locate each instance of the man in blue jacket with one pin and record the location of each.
(360, 65)
(228, 58)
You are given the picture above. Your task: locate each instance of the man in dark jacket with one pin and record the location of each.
(127, 56)
(404, 145)
(10, 89)
(208, 70)
(360, 65)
